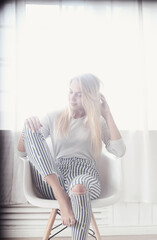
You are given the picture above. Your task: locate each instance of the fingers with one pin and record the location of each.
(30, 124)
(33, 123)
(102, 98)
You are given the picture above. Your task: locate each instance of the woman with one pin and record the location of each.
(70, 175)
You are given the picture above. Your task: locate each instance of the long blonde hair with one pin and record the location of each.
(90, 88)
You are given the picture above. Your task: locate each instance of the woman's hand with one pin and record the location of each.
(33, 123)
(105, 110)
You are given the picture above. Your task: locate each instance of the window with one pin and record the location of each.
(112, 40)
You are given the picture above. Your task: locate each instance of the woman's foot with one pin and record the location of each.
(67, 214)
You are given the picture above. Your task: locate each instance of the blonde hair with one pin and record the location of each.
(90, 88)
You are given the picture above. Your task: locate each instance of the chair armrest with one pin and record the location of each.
(27, 179)
(24, 158)
(30, 192)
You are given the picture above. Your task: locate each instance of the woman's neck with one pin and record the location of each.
(79, 114)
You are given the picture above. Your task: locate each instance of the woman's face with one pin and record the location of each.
(75, 97)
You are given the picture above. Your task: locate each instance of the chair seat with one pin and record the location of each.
(48, 203)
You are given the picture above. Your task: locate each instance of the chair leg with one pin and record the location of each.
(95, 228)
(50, 224)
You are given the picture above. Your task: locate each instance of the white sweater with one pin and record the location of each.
(78, 143)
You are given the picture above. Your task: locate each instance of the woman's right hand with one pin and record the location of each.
(33, 123)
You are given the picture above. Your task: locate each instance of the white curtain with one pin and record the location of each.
(115, 40)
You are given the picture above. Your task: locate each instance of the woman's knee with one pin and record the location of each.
(78, 189)
(27, 131)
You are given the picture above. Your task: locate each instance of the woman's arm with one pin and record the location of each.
(111, 135)
(106, 114)
(114, 132)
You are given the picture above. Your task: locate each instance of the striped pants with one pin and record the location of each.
(70, 171)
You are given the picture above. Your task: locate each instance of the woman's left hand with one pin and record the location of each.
(104, 106)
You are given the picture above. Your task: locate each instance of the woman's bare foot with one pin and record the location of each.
(67, 214)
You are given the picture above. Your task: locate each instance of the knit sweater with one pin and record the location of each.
(78, 141)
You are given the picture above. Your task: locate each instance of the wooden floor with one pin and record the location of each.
(139, 237)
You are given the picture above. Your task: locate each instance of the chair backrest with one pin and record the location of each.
(110, 172)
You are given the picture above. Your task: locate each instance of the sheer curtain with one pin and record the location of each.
(116, 41)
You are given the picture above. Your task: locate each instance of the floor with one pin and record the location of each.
(143, 237)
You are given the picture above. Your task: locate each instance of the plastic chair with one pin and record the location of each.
(109, 169)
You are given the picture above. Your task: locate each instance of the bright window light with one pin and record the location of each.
(59, 41)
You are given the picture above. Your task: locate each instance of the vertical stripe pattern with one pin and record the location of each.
(83, 211)
(70, 171)
(38, 151)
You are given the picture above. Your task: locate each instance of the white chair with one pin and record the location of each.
(111, 183)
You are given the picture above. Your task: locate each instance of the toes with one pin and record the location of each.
(66, 222)
(69, 222)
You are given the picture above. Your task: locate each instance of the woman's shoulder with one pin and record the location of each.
(53, 114)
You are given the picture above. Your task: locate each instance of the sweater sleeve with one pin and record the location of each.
(116, 147)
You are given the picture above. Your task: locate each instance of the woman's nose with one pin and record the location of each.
(73, 97)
